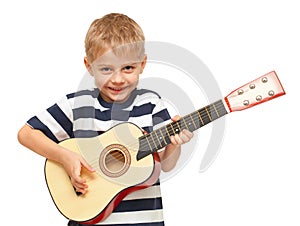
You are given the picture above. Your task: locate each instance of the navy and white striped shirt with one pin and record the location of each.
(86, 114)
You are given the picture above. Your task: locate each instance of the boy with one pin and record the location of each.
(115, 57)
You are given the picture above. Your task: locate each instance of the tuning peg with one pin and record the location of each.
(264, 79)
(271, 93)
(252, 86)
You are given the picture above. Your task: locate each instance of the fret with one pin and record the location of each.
(200, 118)
(170, 130)
(212, 112)
(176, 127)
(178, 123)
(204, 116)
(146, 138)
(151, 142)
(173, 130)
(207, 112)
(195, 127)
(167, 137)
(189, 123)
(158, 140)
(167, 132)
(183, 119)
(196, 120)
(163, 136)
(216, 110)
(145, 147)
(151, 135)
(219, 108)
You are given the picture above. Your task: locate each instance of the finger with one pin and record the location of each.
(173, 140)
(186, 135)
(80, 190)
(87, 166)
(77, 180)
(184, 138)
(175, 118)
(177, 139)
(79, 185)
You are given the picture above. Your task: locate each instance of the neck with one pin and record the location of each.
(160, 138)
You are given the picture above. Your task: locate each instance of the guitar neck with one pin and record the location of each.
(160, 138)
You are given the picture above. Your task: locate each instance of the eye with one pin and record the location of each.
(128, 69)
(106, 70)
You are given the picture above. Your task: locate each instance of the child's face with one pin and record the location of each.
(116, 77)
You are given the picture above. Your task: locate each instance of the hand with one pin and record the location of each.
(170, 155)
(183, 137)
(73, 163)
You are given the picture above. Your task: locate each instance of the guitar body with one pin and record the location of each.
(118, 173)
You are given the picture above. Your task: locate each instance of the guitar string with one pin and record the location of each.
(189, 119)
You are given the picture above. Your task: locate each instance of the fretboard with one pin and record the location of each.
(160, 138)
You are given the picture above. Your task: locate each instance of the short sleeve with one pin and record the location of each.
(162, 113)
(56, 121)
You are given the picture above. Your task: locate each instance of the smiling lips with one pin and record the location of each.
(116, 89)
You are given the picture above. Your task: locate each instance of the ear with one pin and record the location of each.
(143, 64)
(88, 66)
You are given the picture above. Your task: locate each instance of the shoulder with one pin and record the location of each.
(146, 96)
(151, 99)
(92, 93)
(80, 98)
(147, 92)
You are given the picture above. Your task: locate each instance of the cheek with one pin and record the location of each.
(133, 78)
(99, 82)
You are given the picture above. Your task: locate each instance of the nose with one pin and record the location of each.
(117, 77)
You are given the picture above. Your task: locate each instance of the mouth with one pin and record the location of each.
(116, 89)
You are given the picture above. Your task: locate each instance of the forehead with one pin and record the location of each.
(116, 59)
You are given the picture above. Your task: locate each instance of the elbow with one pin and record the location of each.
(169, 158)
(170, 162)
(22, 135)
(167, 167)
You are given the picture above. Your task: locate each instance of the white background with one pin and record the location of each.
(253, 181)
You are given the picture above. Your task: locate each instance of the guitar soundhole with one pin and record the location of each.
(114, 160)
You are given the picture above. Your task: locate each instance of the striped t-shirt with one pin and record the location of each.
(86, 114)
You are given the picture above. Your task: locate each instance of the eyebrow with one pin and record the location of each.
(130, 63)
(119, 66)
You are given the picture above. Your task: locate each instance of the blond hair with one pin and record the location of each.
(112, 31)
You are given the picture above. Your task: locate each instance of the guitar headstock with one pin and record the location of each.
(262, 89)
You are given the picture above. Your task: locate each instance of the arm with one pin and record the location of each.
(36, 141)
(171, 154)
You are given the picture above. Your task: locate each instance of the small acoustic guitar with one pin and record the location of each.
(126, 160)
